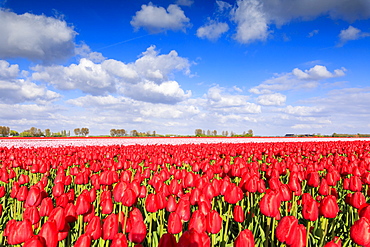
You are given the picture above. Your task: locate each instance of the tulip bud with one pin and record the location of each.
(83, 204)
(19, 231)
(137, 232)
(329, 207)
(360, 231)
(213, 222)
(286, 230)
(83, 241)
(197, 221)
(270, 204)
(49, 232)
(174, 225)
(35, 241)
(238, 213)
(119, 240)
(94, 228)
(193, 238)
(244, 239)
(110, 227)
(32, 213)
(167, 240)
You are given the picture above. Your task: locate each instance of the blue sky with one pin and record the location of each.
(273, 66)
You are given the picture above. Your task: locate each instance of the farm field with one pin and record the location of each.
(102, 141)
(195, 192)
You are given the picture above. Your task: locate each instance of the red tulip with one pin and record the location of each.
(324, 187)
(22, 193)
(310, 209)
(107, 206)
(151, 203)
(238, 213)
(83, 204)
(34, 197)
(58, 189)
(94, 228)
(360, 231)
(213, 222)
(301, 237)
(49, 232)
(233, 194)
(167, 240)
(46, 206)
(197, 221)
(336, 242)
(83, 241)
(174, 223)
(110, 227)
(286, 230)
(35, 241)
(313, 179)
(244, 239)
(329, 207)
(19, 231)
(32, 213)
(193, 238)
(137, 232)
(183, 209)
(119, 240)
(357, 199)
(70, 212)
(129, 198)
(59, 217)
(355, 183)
(171, 204)
(270, 204)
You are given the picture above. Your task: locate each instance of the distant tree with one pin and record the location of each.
(113, 132)
(4, 131)
(134, 133)
(14, 133)
(250, 132)
(47, 132)
(121, 132)
(85, 131)
(77, 131)
(214, 132)
(208, 132)
(226, 133)
(154, 133)
(198, 132)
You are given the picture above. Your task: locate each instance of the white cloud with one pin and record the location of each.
(158, 19)
(19, 91)
(275, 99)
(82, 50)
(212, 30)
(307, 126)
(222, 5)
(254, 17)
(8, 71)
(252, 23)
(297, 79)
(217, 100)
(168, 92)
(147, 79)
(313, 33)
(184, 2)
(301, 110)
(351, 33)
(35, 37)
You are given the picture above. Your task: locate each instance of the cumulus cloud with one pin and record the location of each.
(254, 17)
(158, 19)
(146, 79)
(351, 33)
(19, 91)
(168, 92)
(212, 30)
(8, 71)
(301, 110)
(35, 37)
(251, 21)
(217, 100)
(275, 99)
(184, 2)
(297, 79)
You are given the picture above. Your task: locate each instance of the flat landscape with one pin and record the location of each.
(86, 141)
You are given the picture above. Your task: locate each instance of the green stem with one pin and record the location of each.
(267, 232)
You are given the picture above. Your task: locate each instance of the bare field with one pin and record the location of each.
(106, 141)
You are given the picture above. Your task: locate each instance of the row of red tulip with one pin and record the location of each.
(298, 194)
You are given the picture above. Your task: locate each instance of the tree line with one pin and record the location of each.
(201, 133)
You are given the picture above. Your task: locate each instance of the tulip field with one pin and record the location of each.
(274, 193)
